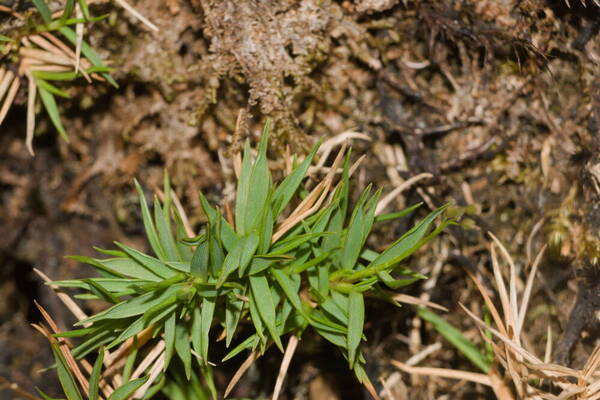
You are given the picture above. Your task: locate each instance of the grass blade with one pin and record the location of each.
(149, 227)
(87, 51)
(84, 9)
(265, 306)
(125, 391)
(456, 338)
(165, 234)
(208, 310)
(233, 311)
(42, 7)
(65, 377)
(133, 307)
(182, 347)
(356, 320)
(52, 109)
(284, 192)
(290, 290)
(169, 338)
(95, 376)
(153, 264)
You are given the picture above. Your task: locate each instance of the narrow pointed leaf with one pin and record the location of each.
(153, 264)
(265, 306)
(151, 232)
(356, 320)
(125, 391)
(284, 192)
(169, 338)
(182, 347)
(87, 51)
(242, 192)
(290, 290)
(95, 376)
(52, 109)
(199, 263)
(43, 9)
(250, 244)
(407, 244)
(133, 307)
(233, 311)
(165, 234)
(208, 310)
(65, 377)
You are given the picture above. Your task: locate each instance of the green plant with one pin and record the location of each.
(277, 268)
(43, 58)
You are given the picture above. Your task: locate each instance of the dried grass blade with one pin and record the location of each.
(31, 95)
(141, 338)
(71, 55)
(65, 298)
(46, 45)
(408, 299)
(313, 201)
(153, 374)
(387, 199)
(517, 349)
(327, 147)
(240, 372)
(498, 385)
(136, 14)
(6, 76)
(64, 348)
(285, 364)
(508, 321)
(289, 222)
(63, 47)
(45, 56)
(79, 28)
(512, 293)
(371, 389)
(528, 287)
(548, 351)
(538, 225)
(154, 354)
(49, 68)
(444, 373)
(184, 218)
(423, 354)
(12, 92)
(557, 371)
(490, 305)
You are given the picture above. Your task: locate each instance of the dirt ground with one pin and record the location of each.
(499, 101)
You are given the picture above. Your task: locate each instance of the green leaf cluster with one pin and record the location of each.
(190, 290)
(49, 91)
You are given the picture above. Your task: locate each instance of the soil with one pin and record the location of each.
(499, 100)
